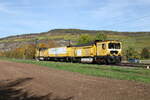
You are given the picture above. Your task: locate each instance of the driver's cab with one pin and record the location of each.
(108, 48)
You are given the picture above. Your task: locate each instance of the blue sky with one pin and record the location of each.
(34, 16)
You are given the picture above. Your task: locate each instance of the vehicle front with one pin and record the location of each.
(114, 51)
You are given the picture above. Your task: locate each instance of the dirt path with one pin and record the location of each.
(64, 84)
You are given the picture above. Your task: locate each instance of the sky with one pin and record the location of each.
(34, 16)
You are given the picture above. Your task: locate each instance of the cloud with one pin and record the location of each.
(33, 15)
(112, 12)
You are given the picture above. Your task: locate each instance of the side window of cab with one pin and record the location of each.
(103, 46)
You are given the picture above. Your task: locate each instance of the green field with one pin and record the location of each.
(114, 72)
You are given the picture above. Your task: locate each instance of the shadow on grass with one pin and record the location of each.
(9, 90)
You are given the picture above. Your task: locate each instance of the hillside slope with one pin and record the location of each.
(60, 37)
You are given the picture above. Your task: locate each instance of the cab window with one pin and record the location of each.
(114, 45)
(103, 46)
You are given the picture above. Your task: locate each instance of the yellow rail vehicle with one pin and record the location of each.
(95, 52)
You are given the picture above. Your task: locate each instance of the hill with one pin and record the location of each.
(60, 37)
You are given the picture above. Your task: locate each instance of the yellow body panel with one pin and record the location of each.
(100, 49)
(84, 51)
(43, 53)
(70, 51)
(58, 52)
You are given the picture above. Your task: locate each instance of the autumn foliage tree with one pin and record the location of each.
(23, 52)
(1, 54)
(27, 51)
(145, 54)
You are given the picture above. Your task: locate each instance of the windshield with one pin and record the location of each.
(114, 45)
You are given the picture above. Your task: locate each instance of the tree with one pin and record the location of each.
(132, 53)
(84, 38)
(1, 54)
(145, 53)
(28, 51)
(100, 36)
(42, 45)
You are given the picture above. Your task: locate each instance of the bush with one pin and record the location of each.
(100, 36)
(132, 53)
(24, 52)
(145, 54)
(84, 38)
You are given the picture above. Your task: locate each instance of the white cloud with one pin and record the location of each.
(118, 9)
(93, 13)
(119, 14)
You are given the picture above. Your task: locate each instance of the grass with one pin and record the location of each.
(114, 72)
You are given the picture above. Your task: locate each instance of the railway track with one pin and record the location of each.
(133, 65)
(127, 65)
(139, 65)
